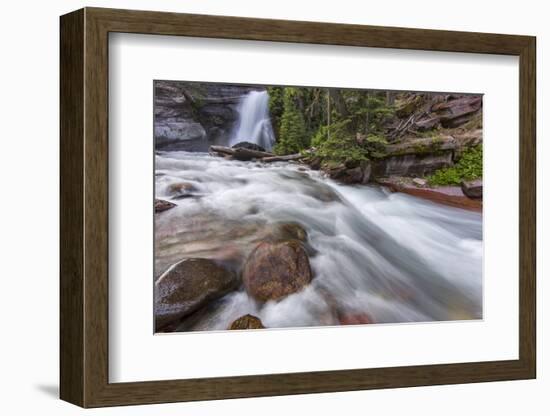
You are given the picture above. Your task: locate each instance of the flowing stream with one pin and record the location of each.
(394, 257)
(254, 124)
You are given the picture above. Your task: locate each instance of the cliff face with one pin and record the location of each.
(192, 116)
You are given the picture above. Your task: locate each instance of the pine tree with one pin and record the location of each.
(292, 134)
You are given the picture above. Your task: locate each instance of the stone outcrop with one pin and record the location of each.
(419, 112)
(349, 172)
(472, 189)
(191, 116)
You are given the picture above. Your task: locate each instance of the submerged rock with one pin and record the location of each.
(276, 269)
(292, 231)
(181, 189)
(189, 285)
(162, 205)
(247, 322)
(472, 189)
(354, 319)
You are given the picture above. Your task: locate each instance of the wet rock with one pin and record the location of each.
(354, 319)
(181, 189)
(187, 286)
(358, 173)
(276, 269)
(446, 195)
(248, 145)
(472, 189)
(315, 163)
(162, 205)
(292, 231)
(247, 322)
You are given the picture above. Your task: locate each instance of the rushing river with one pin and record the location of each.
(394, 257)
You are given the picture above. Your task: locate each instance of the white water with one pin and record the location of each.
(394, 257)
(254, 124)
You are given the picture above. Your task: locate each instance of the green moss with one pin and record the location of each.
(469, 167)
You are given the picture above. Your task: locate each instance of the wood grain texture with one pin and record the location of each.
(84, 207)
(71, 209)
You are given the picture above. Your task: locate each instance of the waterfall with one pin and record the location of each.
(254, 125)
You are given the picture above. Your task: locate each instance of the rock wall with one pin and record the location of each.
(192, 116)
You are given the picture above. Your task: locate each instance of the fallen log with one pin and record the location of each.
(244, 154)
(296, 156)
(222, 149)
(240, 153)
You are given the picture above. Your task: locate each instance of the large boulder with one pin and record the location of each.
(188, 286)
(247, 322)
(276, 269)
(472, 189)
(248, 145)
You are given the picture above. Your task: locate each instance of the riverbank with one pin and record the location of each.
(384, 172)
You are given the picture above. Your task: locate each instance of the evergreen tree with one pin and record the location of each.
(292, 133)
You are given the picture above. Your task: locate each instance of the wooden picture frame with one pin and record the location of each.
(84, 207)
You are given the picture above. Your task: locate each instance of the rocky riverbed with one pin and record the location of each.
(249, 245)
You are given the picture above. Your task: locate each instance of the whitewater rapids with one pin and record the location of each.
(391, 256)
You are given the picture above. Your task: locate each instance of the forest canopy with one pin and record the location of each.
(338, 124)
(350, 126)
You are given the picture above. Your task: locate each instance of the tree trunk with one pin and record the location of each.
(390, 98)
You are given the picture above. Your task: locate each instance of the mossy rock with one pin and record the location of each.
(247, 322)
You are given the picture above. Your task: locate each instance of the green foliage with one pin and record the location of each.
(276, 107)
(292, 133)
(469, 167)
(335, 144)
(354, 129)
(320, 136)
(368, 110)
(376, 146)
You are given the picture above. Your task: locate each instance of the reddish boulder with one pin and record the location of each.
(276, 269)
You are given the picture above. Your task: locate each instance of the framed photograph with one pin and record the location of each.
(257, 207)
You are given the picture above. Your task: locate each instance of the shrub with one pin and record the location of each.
(469, 167)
